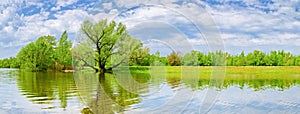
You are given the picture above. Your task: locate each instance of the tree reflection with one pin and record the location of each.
(257, 82)
(107, 96)
(42, 88)
(116, 93)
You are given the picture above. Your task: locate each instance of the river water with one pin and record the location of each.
(52, 92)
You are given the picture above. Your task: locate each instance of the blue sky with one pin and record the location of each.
(241, 24)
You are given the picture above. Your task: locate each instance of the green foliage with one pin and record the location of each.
(190, 59)
(50, 86)
(218, 58)
(204, 60)
(174, 59)
(14, 63)
(259, 58)
(37, 56)
(255, 58)
(140, 57)
(157, 60)
(111, 42)
(63, 55)
(42, 54)
(9, 63)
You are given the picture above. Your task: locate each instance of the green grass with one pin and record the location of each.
(257, 72)
(228, 69)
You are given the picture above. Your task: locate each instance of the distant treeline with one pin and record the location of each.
(219, 58)
(57, 58)
(255, 58)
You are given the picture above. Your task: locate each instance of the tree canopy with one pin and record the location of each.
(45, 53)
(101, 41)
(37, 55)
(63, 55)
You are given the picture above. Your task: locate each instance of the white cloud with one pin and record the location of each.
(56, 8)
(132, 3)
(283, 36)
(99, 16)
(107, 5)
(6, 2)
(129, 3)
(69, 20)
(196, 42)
(13, 44)
(229, 36)
(34, 3)
(6, 14)
(64, 3)
(8, 29)
(39, 25)
(249, 26)
(148, 14)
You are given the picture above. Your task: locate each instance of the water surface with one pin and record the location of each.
(35, 92)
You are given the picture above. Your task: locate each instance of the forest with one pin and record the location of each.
(59, 57)
(50, 53)
(45, 53)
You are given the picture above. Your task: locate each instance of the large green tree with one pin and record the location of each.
(37, 56)
(111, 43)
(63, 55)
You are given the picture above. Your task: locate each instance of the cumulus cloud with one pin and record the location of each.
(107, 5)
(17, 28)
(63, 3)
(257, 23)
(244, 23)
(146, 14)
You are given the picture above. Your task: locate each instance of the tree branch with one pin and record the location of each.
(99, 38)
(86, 64)
(88, 35)
(116, 65)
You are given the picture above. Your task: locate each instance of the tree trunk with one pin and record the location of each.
(103, 70)
(101, 75)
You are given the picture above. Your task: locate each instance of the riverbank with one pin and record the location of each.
(225, 69)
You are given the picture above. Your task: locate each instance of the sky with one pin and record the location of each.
(162, 25)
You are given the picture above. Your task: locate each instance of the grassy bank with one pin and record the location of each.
(227, 69)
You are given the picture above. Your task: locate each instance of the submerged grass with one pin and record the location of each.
(229, 72)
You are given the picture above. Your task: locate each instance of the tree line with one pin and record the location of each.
(105, 45)
(218, 58)
(45, 54)
(255, 58)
